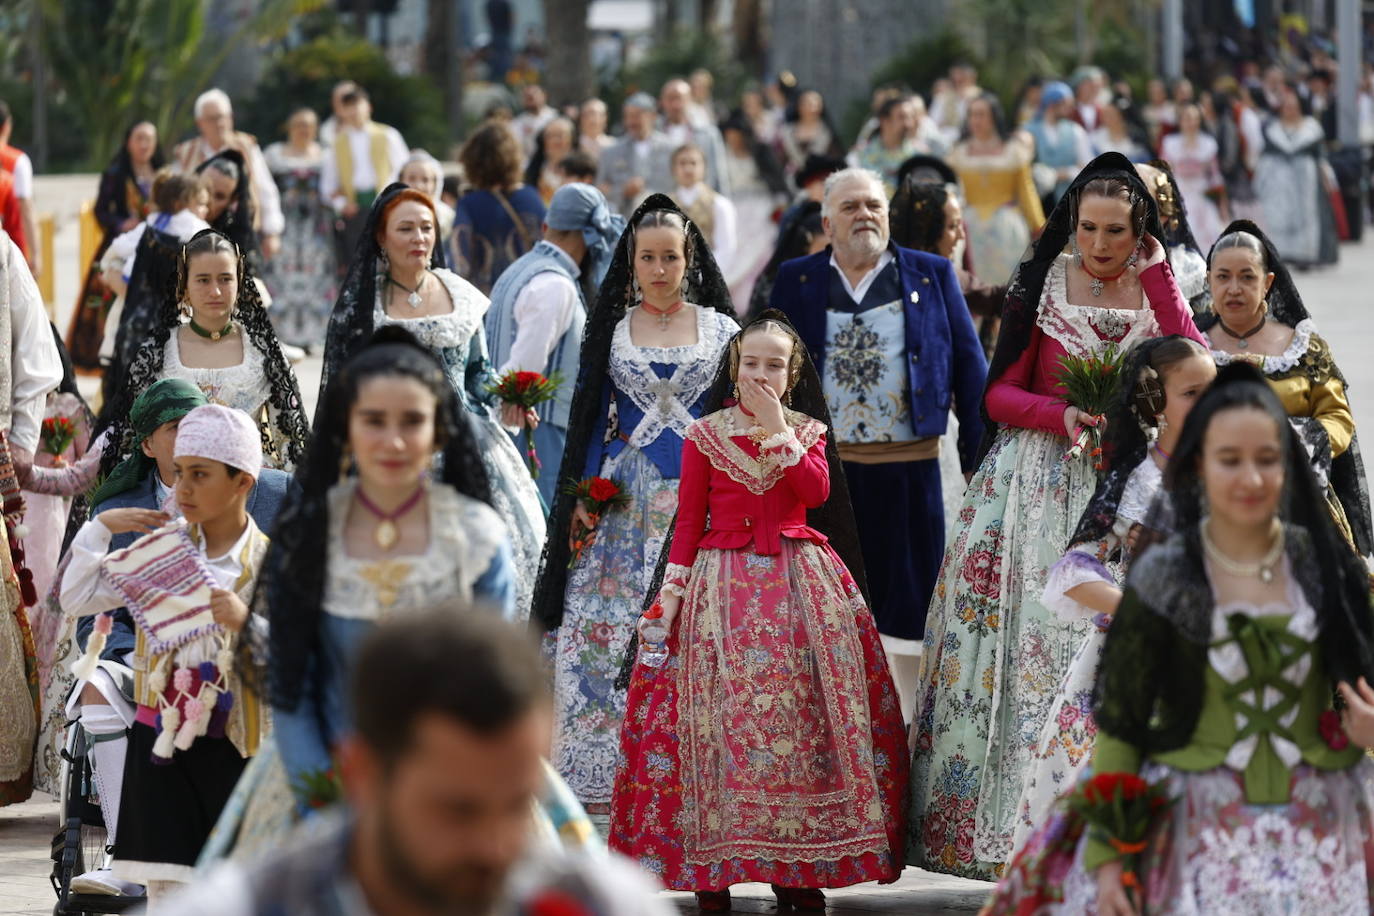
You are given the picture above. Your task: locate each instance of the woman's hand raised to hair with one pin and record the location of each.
(1151, 253)
(761, 401)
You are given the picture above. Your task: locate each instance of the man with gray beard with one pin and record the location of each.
(893, 341)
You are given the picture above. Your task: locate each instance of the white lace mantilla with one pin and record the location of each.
(244, 387)
(464, 535)
(1226, 657)
(1272, 365)
(441, 332)
(1083, 329)
(1138, 496)
(666, 402)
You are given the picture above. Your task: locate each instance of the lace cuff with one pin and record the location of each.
(675, 579)
(785, 447)
(1074, 569)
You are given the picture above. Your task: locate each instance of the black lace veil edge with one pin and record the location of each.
(1149, 686)
(353, 320)
(706, 288)
(1181, 234)
(1348, 478)
(236, 223)
(294, 571)
(1028, 282)
(1285, 302)
(154, 271)
(834, 518)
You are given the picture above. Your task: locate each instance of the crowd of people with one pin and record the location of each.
(923, 502)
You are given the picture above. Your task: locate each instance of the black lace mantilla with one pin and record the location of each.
(707, 288)
(1022, 305)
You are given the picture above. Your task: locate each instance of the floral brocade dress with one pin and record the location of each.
(995, 656)
(1273, 807)
(650, 396)
(770, 746)
(1066, 741)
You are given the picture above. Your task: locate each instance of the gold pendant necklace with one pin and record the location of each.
(386, 534)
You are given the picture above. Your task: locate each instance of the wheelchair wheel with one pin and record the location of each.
(80, 843)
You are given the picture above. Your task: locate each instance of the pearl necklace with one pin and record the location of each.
(1264, 569)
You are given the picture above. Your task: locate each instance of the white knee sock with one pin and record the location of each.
(109, 745)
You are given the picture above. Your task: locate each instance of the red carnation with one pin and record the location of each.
(602, 490)
(1329, 725)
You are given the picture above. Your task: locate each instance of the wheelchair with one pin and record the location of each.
(79, 845)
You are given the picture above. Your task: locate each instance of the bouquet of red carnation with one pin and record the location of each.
(527, 390)
(1118, 809)
(598, 494)
(321, 788)
(58, 435)
(1092, 384)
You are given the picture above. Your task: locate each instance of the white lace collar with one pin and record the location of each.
(1083, 329)
(1271, 365)
(666, 402)
(1226, 657)
(451, 329)
(464, 535)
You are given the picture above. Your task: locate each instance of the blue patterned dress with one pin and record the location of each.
(650, 397)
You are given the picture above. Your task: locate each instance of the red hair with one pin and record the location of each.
(408, 194)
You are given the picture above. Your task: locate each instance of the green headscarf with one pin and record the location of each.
(165, 400)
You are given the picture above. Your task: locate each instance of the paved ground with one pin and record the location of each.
(1340, 299)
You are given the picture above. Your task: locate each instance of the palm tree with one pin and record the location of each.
(569, 51)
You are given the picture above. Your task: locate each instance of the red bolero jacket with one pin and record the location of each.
(734, 492)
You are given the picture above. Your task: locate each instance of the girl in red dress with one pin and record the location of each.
(770, 746)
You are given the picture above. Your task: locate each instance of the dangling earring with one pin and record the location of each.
(386, 262)
(734, 392)
(1135, 255)
(345, 463)
(184, 309)
(787, 398)
(635, 296)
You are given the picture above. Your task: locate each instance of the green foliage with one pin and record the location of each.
(129, 60)
(688, 49)
(306, 74)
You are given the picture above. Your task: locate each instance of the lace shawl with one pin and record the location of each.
(666, 402)
(464, 535)
(713, 435)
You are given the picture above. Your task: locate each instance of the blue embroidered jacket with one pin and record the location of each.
(945, 363)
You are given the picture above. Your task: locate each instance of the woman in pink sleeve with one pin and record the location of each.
(770, 746)
(995, 654)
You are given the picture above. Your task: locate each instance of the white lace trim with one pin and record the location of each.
(1138, 495)
(1271, 365)
(1075, 568)
(464, 535)
(675, 577)
(666, 403)
(791, 452)
(244, 387)
(452, 329)
(1083, 329)
(1227, 659)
